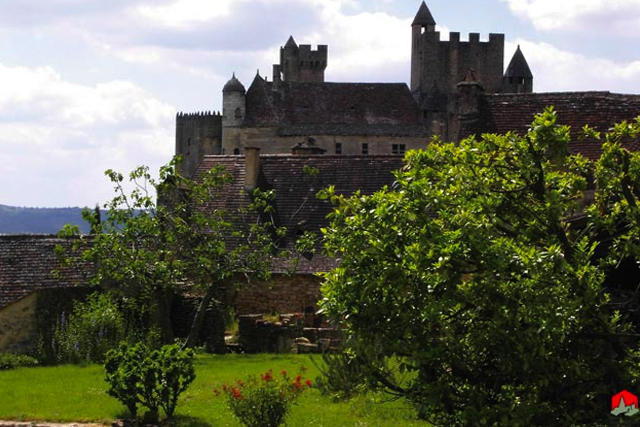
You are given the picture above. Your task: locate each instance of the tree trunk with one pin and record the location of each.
(217, 343)
(161, 315)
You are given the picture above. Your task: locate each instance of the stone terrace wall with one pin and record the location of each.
(283, 294)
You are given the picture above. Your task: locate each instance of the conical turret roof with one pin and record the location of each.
(423, 17)
(518, 66)
(233, 85)
(291, 43)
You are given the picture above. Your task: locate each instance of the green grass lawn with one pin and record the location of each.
(78, 394)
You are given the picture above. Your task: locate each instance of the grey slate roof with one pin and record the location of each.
(303, 109)
(518, 66)
(28, 263)
(423, 17)
(233, 85)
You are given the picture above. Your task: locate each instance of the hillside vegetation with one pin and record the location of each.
(18, 220)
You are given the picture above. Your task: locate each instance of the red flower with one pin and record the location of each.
(284, 373)
(308, 382)
(237, 395)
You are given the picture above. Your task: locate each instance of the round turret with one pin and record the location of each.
(233, 103)
(233, 85)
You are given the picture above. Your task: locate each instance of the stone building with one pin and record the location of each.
(439, 66)
(30, 269)
(295, 286)
(298, 106)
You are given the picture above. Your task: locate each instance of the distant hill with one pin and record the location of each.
(14, 220)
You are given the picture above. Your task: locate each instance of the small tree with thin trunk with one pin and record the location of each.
(146, 250)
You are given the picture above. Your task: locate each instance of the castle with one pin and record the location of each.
(298, 106)
(457, 89)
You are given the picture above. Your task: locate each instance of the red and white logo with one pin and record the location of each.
(624, 403)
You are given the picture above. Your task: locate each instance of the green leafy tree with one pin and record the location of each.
(146, 249)
(480, 276)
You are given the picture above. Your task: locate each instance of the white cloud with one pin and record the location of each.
(619, 17)
(184, 13)
(57, 137)
(556, 70)
(363, 44)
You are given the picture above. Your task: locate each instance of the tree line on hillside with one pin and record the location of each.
(21, 220)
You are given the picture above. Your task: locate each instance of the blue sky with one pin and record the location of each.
(87, 85)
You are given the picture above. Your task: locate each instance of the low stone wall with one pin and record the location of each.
(286, 335)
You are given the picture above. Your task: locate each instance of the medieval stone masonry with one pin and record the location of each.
(298, 105)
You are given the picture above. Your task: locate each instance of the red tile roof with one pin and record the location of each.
(28, 263)
(501, 113)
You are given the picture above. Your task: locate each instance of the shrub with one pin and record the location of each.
(11, 361)
(153, 379)
(94, 327)
(342, 376)
(264, 401)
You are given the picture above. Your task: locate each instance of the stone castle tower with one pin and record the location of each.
(300, 63)
(438, 67)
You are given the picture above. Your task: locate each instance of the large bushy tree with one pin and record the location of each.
(481, 277)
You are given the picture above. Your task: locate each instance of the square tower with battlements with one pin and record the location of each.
(438, 66)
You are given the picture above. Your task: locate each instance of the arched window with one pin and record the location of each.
(236, 151)
(238, 113)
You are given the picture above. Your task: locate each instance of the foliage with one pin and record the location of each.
(343, 375)
(146, 251)
(154, 379)
(86, 334)
(265, 401)
(478, 271)
(50, 306)
(12, 361)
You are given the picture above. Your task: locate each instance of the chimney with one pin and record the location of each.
(251, 168)
(470, 91)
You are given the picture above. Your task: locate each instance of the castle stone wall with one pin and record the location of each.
(443, 64)
(197, 135)
(269, 142)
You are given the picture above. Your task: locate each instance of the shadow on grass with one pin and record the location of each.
(185, 421)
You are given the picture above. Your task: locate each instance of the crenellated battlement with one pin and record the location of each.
(454, 38)
(198, 114)
(301, 63)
